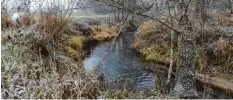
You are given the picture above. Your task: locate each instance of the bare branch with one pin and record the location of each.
(114, 4)
(114, 40)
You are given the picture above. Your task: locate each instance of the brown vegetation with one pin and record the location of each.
(214, 55)
(27, 20)
(220, 59)
(5, 20)
(49, 64)
(73, 45)
(103, 32)
(51, 23)
(225, 19)
(28, 73)
(45, 64)
(152, 40)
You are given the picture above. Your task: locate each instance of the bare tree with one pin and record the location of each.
(185, 75)
(231, 5)
(3, 5)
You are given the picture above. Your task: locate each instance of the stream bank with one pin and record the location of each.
(122, 62)
(213, 59)
(125, 64)
(45, 65)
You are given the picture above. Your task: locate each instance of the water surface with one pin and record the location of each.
(122, 62)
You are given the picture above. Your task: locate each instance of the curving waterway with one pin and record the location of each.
(124, 62)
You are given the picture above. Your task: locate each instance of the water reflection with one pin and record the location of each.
(123, 60)
(124, 63)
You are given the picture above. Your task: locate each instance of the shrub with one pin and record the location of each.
(223, 61)
(26, 73)
(51, 23)
(27, 20)
(5, 20)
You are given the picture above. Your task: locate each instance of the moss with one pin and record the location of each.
(76, 41)
(199, 64)
(156, 53)
(201, 61)
(153, 42)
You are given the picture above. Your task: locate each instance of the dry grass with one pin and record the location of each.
(5, 20)
(27, 21)
(27, 73)
(225, 19)
(51, 23)
(38, 65)
(74, 47)
(150, 33)
(104, 32)
(152, 40)
(222, 62)
(214, 56)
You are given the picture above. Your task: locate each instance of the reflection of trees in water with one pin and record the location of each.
(123, 62)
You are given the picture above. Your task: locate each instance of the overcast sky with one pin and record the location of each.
(12, 5)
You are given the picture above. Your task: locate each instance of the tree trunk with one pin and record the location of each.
(171, 49)
(185, 76)
(231, 5)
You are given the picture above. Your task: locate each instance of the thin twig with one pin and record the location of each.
(114, 41)
(138, 13)
(171, 50)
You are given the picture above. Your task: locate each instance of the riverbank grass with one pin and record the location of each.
(74, 47)
(104, 32)
(153, 42)
(157, 53)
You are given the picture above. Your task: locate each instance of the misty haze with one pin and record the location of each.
(117, 49)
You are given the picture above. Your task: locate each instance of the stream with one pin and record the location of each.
(124, 62)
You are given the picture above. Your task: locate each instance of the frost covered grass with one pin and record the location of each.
(44, 61)
(33, 69)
